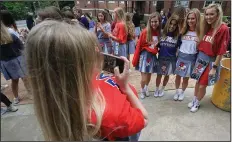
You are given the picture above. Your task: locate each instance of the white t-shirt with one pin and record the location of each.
(189, 43)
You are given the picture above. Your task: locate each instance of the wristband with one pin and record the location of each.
(215, 66)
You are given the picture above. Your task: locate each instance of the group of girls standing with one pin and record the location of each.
(183, 49)
(119, 39)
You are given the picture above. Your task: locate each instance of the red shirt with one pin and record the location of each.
(120, 119)
(142, 44)
(219, 46)
(120, 32)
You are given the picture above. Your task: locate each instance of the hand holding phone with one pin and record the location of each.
(110, 62)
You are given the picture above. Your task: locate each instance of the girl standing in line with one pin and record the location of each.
(167, 53)
(11, 59)
(211, 49)
(119, 34)
(101, 29)
(130, 36)
(145, 59)
(187, 54)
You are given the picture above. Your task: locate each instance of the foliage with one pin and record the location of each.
(20, 9)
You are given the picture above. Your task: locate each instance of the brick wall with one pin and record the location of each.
(148, 7)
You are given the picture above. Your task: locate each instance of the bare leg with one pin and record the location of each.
(143, 79)
(177, 81)
(201, 92)
(15, 87)
(166, 78)
(196, 89)
(158, 80)
(185, 83)
(148, 78)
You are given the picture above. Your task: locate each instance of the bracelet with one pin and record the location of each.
(215, 66)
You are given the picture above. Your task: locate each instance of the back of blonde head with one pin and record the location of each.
(5, 35)
(120, 14)
(61, 59)
(198, 22)
(205, 26)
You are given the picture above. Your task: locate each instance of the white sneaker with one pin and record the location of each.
(12, 108)
(195, 107)
(176, 96)
(142, 96)
(147, 94)
(161, 93)
(156, 94)
(16, 100)
(181, 97)
(190, 105)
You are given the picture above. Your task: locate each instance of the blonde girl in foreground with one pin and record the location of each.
(72, 101)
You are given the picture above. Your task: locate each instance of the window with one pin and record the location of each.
(209, 2)
(89, 2)
(182, 3)
(101, 1)
(77, 2)
(122, 2)
(154, 3)
(111, 1)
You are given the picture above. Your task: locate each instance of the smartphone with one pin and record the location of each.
(111, 61)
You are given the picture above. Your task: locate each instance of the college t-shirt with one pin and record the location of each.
(168, 46)
(120, 32)
(119, 119)
(189, 43)
(220, 42)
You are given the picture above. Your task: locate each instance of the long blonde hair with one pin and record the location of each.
(62, 60)
(198, 22)
(130, 26)
(149, 30)
(206, 27)
(121, 16)
(5, 35)
(176, 32)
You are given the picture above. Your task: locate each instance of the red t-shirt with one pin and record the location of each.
(219, 46)
(120, 119)
(120, 32)
(142, 44)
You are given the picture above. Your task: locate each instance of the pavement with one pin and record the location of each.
(168, 121)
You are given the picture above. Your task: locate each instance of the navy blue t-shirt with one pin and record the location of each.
(168, 46)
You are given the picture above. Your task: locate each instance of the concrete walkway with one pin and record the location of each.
(168, 121)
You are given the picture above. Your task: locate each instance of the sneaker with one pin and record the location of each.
(181, 97)
(176, 96)
(11, 108)
(190, 105)
(161, 93)
(142, 96)
(147, 93)
(156, 94)
(16, 100)
(4, 87)
(195, 107)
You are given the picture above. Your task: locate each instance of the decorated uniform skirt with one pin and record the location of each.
(185, 64)
(106, 45)
(121, 48)
(14, 68)
(166, 65)
(131, 46)
(137, 31)
(147, 62)
(202, 68)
